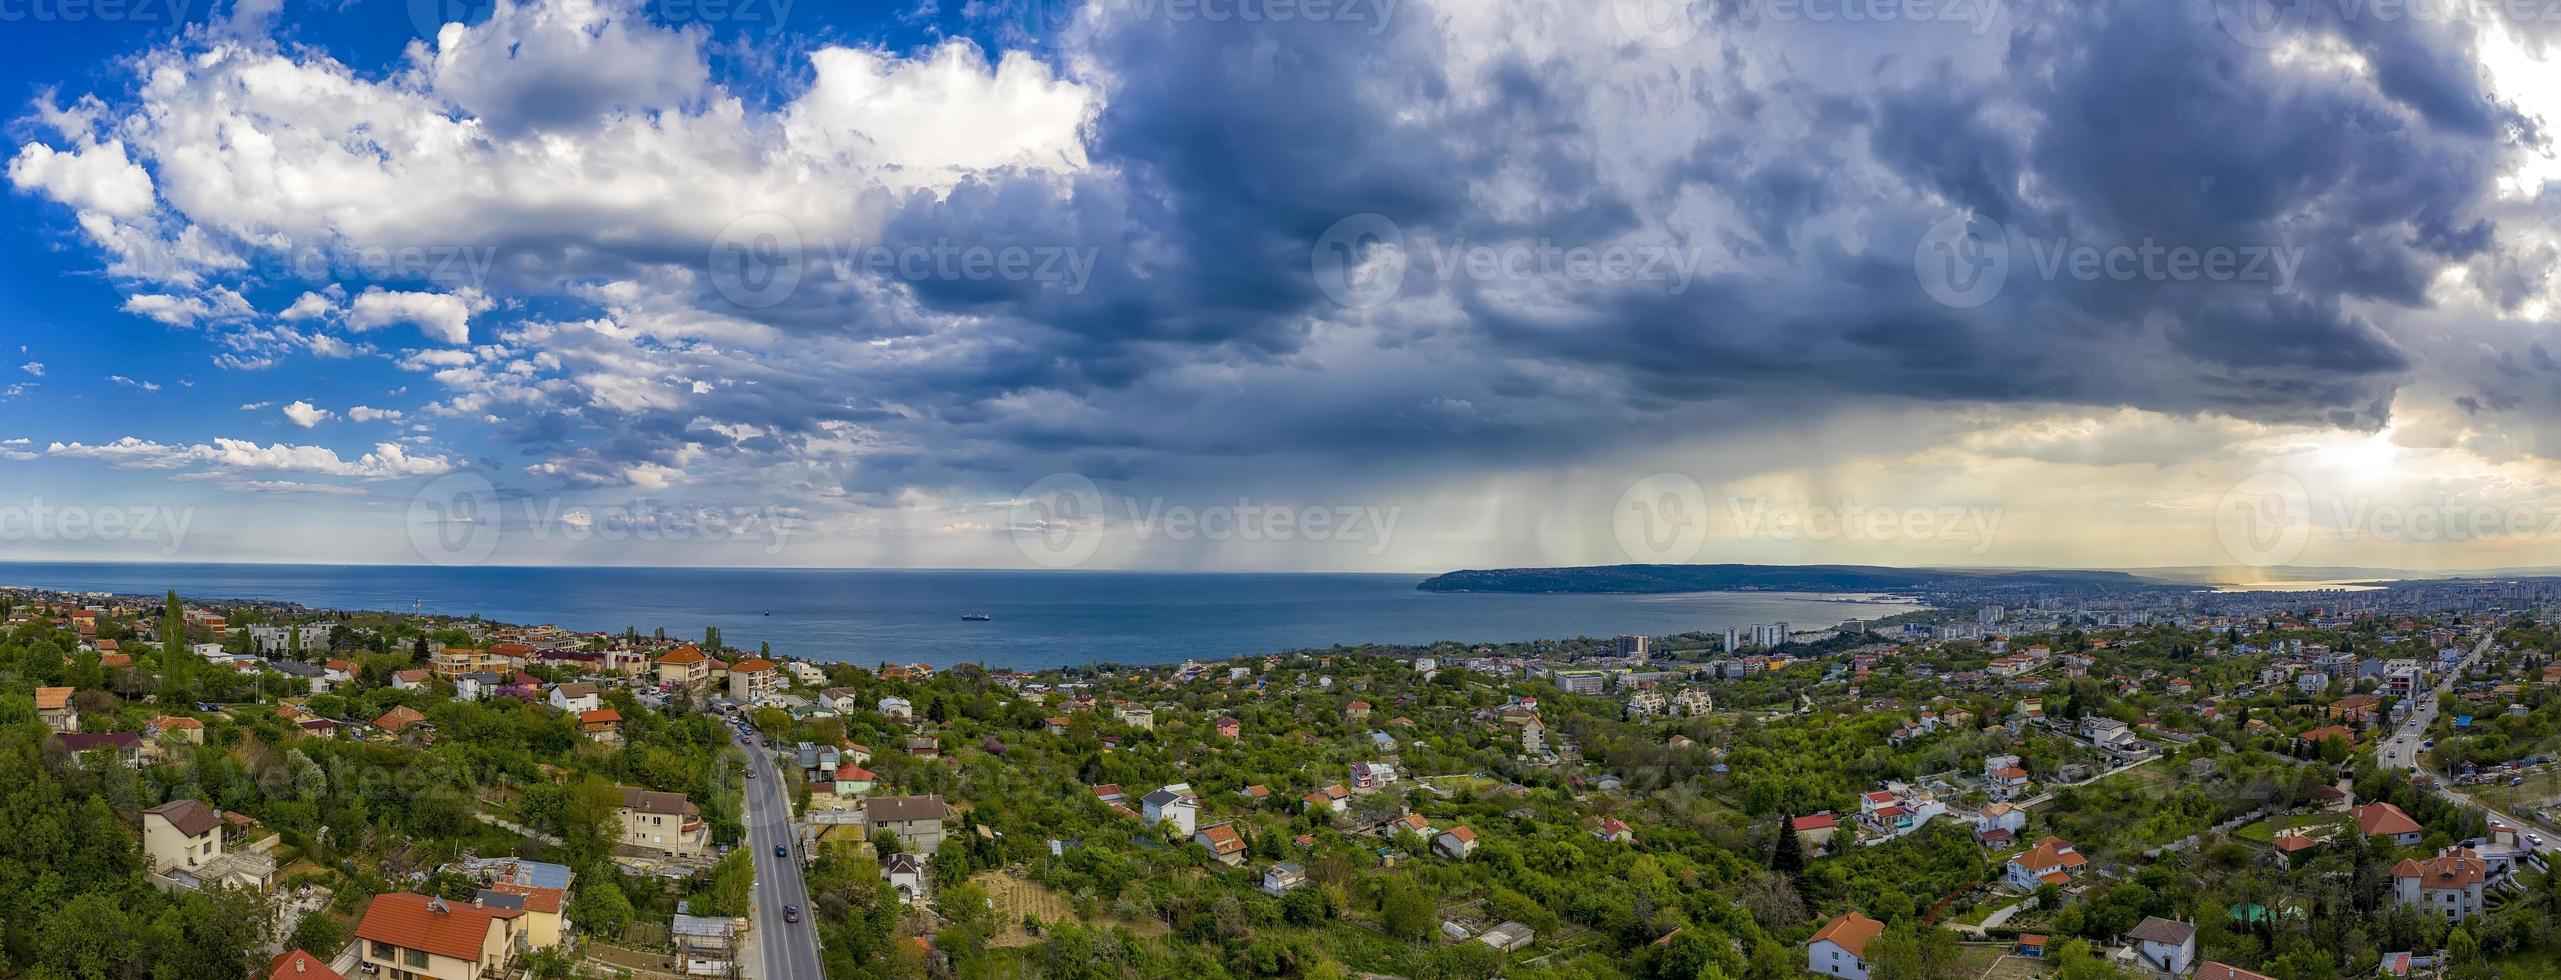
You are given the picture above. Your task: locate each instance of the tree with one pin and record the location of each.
(1405, 910)
(1787, 857)
(601, 907)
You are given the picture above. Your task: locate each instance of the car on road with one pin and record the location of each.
(2534, 839)
(791, 913)
(782, 850)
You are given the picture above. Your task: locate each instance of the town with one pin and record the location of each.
(2172, 784)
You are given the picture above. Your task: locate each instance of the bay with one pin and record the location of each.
(1038, 618)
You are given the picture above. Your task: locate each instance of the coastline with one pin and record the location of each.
(1038, 619)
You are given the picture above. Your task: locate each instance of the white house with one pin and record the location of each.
(898, 709)
(2450, 885)
(2164, 946)
(1280, 878)
(2053, 861)
(575, 698)
(1166, 806)
(1840, 948)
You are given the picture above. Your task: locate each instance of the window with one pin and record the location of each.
(385, 951)
(417, 957)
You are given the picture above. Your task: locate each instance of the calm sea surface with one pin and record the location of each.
(1041, 619)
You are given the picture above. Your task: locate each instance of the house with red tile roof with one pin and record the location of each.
(2052, 861)
(1839, 949)
(2386, 820)
(404, 934)
(2450, 885)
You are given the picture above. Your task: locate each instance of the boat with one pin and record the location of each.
(976, 618)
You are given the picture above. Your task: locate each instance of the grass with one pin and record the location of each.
(2264, 831)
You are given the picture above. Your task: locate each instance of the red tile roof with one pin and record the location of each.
(1851, 932)
(298, 965)
(2378, 819)
(457, 930)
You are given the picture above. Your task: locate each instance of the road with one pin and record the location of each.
(788, 950)
(2408, 745)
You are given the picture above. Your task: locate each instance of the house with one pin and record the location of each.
(53, 706)
(684, 666)
(409, 680)
(1334, 798)
(540, 908)
(2164, 945)
(1370, 777)
(601, 725)
(1230, 729)
(1356, 712)
(2386, 820)
(1613, 830)
(1280, 878)
(183, 840)
(840, 699)
(400, 719)
(428, 938)
(1840, 948)
(1815, 829)
(2450, 885)
(753, 680)
(666, 824)
(2053, 861)
(126, 747)
(924, 748)
(1167, 806)
(1224, 843)
(853, 780)
(574, 698)
(906, 875)
(294, 964)
(1457, 842)
(897, 709)
(705, 946)
(916, 820)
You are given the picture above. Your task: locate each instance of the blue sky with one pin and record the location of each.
(1370, 286)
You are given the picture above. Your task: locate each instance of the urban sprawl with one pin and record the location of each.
(2155, 783)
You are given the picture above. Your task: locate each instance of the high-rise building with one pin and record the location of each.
(1632, 645)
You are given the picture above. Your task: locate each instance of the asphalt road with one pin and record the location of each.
(789, 949)
(2407, 748)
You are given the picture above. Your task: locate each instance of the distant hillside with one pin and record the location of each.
(1775, 578)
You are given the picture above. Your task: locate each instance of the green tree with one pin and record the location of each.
(1405, 911)
(1787, 857)
(601, 907)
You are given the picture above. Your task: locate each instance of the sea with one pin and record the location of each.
(1037, 619)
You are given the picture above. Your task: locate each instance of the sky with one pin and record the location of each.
(1278, 285)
